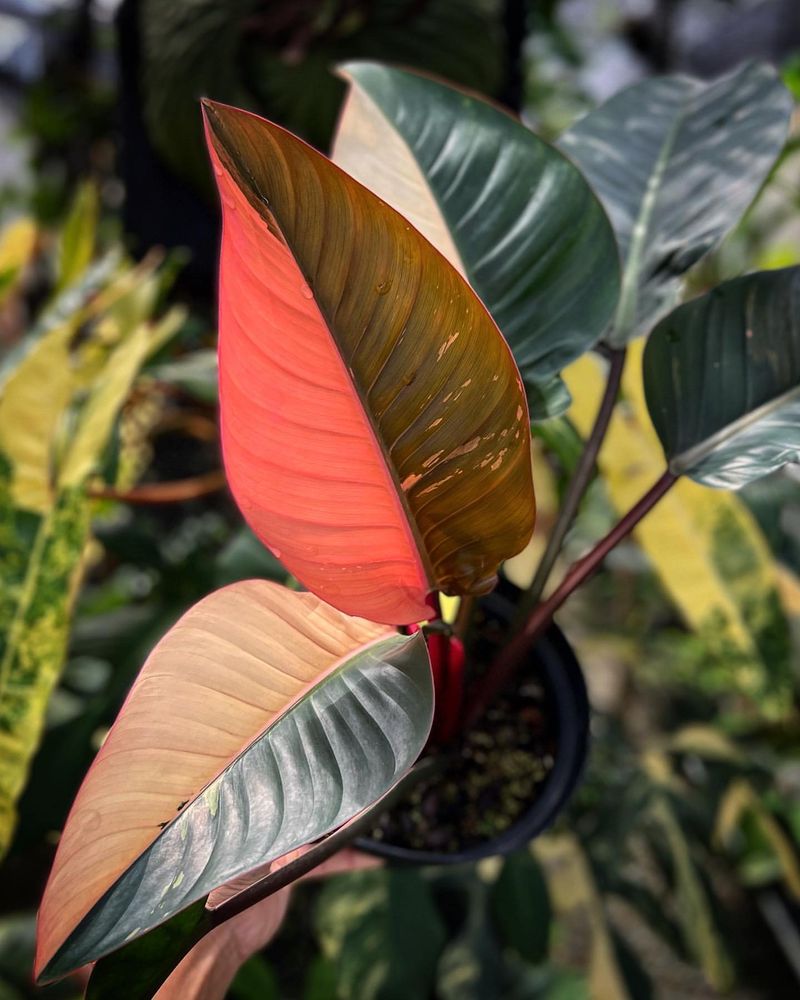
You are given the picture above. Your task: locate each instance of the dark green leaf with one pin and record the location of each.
(676, 162)
(505, 207)
(320, 982)
(702, 935)
(237, 52)
(547, 399)
(255, 981)
(471, 966)
(638, 983)
(722, 380)
(521, 906)
(382, 931)
(139, 969)
(244, 557)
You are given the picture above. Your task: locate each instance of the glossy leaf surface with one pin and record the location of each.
(262, 720)
(676, 162)
(722, 379)
(374, 425)
(508, 210)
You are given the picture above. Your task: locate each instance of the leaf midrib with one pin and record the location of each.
(688, 460)
(628, 299)
(262, 206)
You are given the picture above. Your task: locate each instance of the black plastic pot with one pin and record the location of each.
(554, 663)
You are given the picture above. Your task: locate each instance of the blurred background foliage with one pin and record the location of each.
(675, 871)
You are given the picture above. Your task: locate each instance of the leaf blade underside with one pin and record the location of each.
(246, 734)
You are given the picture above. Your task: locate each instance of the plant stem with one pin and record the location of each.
(435, 605)
(512, 655)
(578, 484)
(464, 617)
(173, 492)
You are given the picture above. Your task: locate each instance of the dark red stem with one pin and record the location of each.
(512, 655)
(579, 483)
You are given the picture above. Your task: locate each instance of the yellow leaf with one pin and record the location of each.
(78, 236)
(521, 569)
(39, 573)
(789, 588)
(449, 607)
(108, 394)
(17, 245)
(574, 896)
(658, 768)
(699, 930)
(32, 403)
(741, 798)
(58, 404)
(705, 741)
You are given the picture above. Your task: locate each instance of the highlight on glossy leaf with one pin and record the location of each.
(676, 162)
(722, 380)
(374, 424)
(511, 212)
(262, 720)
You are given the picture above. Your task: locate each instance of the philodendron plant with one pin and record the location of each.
(390, 322)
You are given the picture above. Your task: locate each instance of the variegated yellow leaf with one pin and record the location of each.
(521, 568)
(17, 246)
(575, 896)
(705, 546)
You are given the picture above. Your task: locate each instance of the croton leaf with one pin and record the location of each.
(676, 162)
(262, 720)
(508, 210)
(374, 424)
(722, 379)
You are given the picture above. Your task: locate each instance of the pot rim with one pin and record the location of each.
(563, 680)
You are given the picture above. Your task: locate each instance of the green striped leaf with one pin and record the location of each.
(722, 380)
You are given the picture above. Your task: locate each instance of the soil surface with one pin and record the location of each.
(494, 778)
